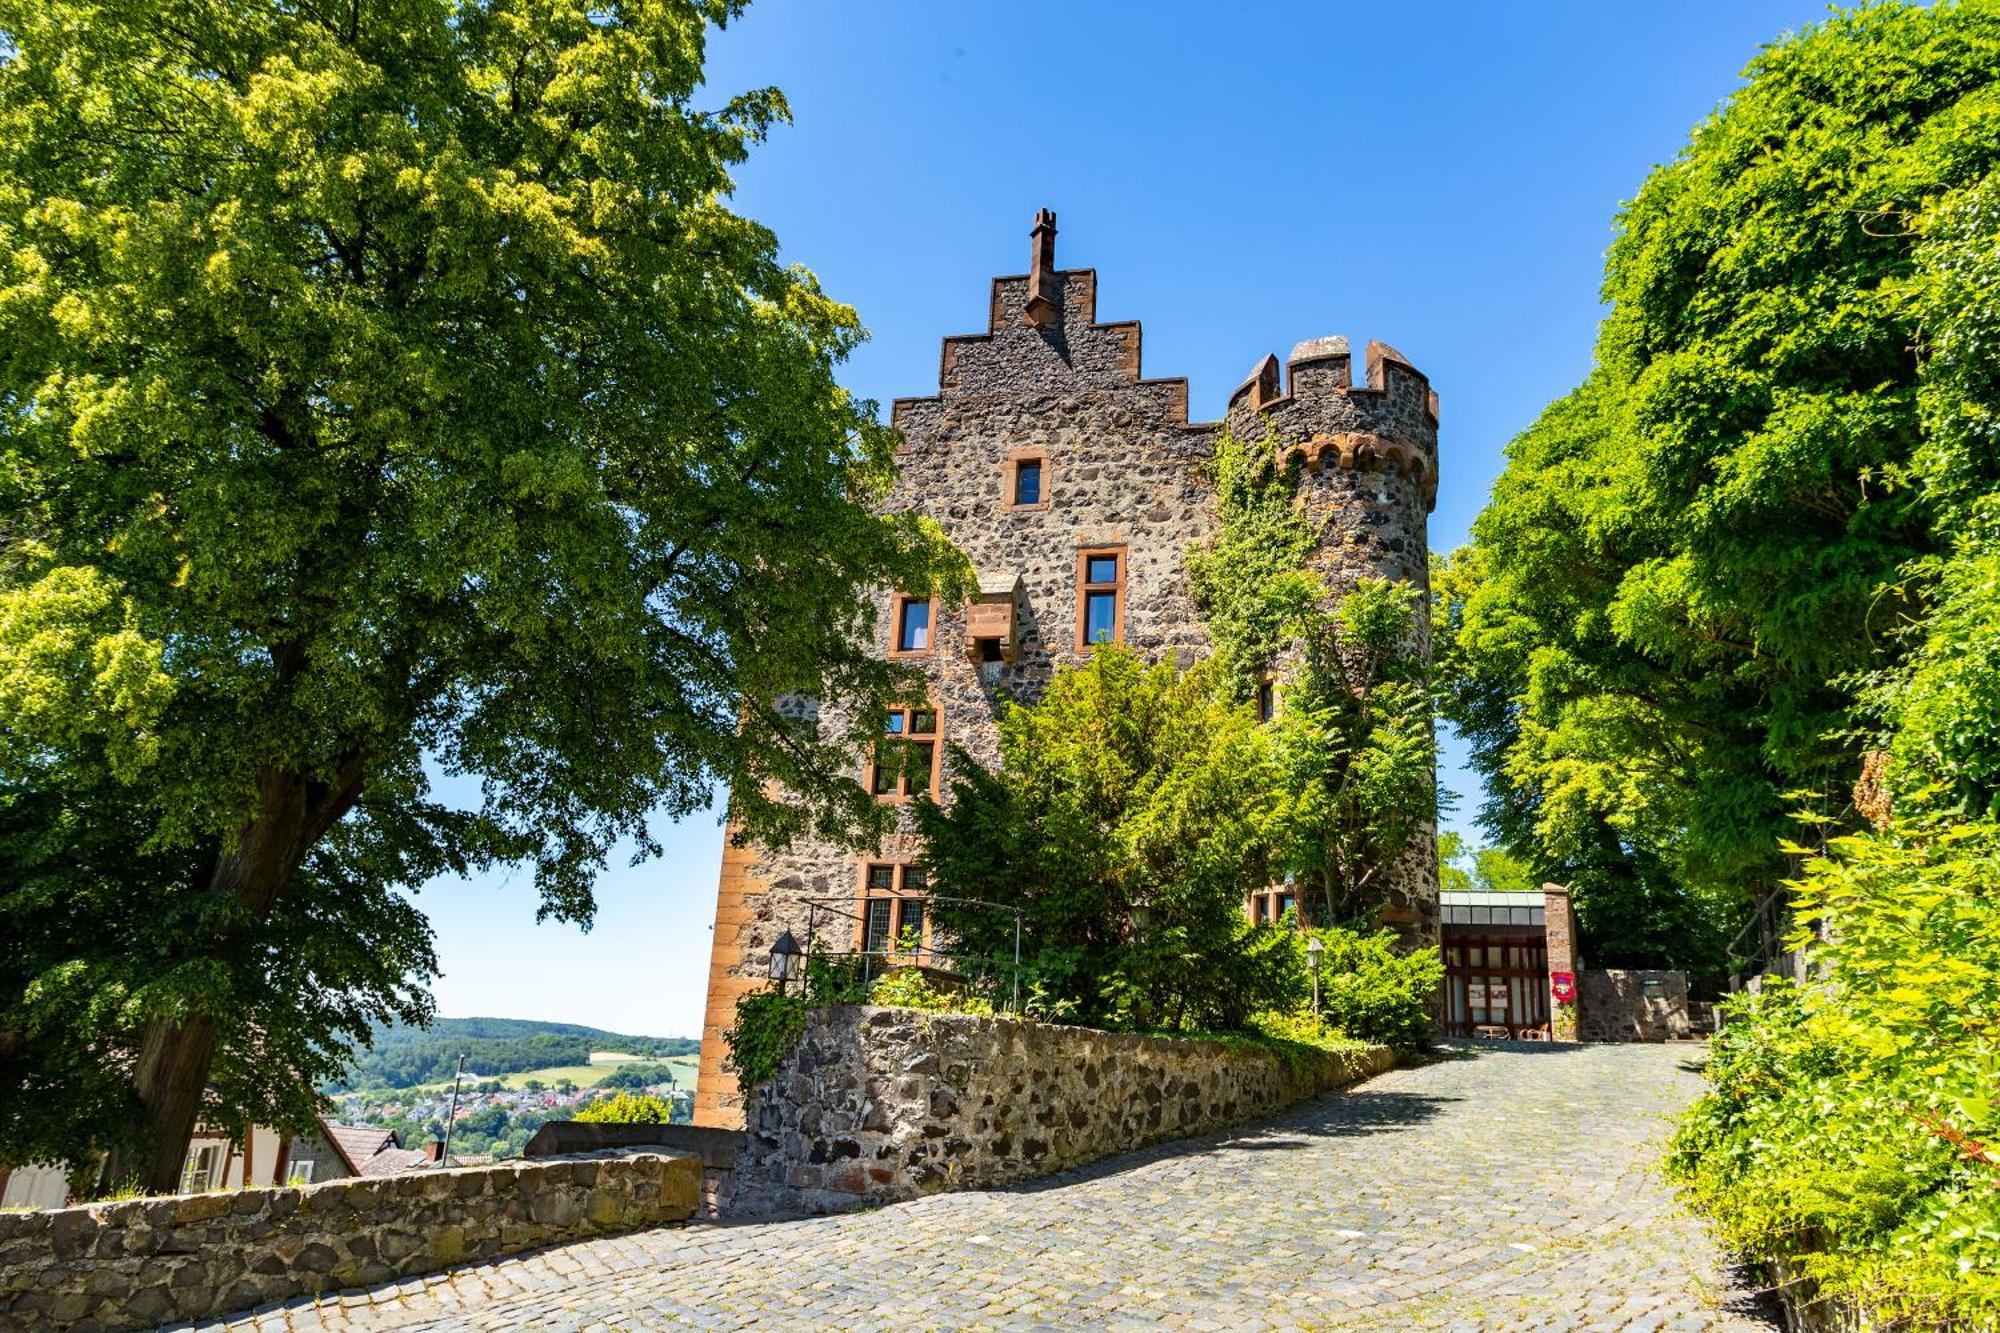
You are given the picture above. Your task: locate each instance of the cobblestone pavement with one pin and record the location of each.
(1508, 1189)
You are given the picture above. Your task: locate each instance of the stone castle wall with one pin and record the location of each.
(1122, 468)
(888, 1104)
(142, 1262)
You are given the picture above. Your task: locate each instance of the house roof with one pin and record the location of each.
(359, 1144)
(392, 1161)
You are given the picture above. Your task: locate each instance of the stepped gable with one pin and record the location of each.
(1044, 346)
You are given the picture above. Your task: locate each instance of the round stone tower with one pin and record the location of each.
(1368, 480)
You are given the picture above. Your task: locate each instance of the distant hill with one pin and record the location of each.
(402, 1056)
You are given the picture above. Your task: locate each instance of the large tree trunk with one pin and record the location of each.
(171, 1071)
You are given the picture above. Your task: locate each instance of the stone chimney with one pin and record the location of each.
(435, 1151)
(1041, 307)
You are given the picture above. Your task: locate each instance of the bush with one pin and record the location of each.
(909, 988)
(1846, 1128)
(1128, 820)
(627, 1109)
(1371, 991)
(768, 1028)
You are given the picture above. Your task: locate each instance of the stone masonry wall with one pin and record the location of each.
(1613, 1005)
(141, 1262)
(1122, 469)
(891, 1103)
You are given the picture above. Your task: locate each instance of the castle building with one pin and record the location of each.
(1075, 486)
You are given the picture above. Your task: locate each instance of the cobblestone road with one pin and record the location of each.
(1511, 1189)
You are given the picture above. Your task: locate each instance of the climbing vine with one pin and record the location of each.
(1250, 579)
(1354, 751)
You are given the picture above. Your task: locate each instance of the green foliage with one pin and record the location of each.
(636, 1077)
(393, 393)
(1250, 580)
(1129, 817)
(1846, 1125)
(1658, 631)
(1352, 744)
(1371, 990)
(399, 1056)
(1756, 541)
(909, 988)
(768, 1028)
(627, 1109)
(1495, 870)
(1451, 850)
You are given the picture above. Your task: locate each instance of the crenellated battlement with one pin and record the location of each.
(1321, 366)
(1323, 421)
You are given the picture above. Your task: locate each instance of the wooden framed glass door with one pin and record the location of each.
(1495, 979)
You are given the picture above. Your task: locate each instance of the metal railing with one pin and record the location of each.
(974, 969)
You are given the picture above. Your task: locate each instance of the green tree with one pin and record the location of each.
(1451, 849)
(627, 1109)
(1129, 820)
(1495, 870)
(1352, 741)
(1657, 636)
(390, 382)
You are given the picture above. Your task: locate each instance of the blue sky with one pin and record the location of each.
(1442, 176)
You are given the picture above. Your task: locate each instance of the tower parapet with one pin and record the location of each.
(1367, 452)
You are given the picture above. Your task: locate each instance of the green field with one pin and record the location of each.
(601, 1064)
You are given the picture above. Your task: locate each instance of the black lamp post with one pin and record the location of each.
(1313, 950)
(785, 958)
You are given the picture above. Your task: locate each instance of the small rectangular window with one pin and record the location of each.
(1028, 481)
(1100, 598)
(198, 1176)
(906, 758)
(881, 879)
(913, 626)
(912, 922)
(299, 1173)
(915, 879)
(1100, 617)
(1267, 701)
(876, 936)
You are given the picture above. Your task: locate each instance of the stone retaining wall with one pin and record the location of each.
(140, 1262)
(888, 1104)
(1616, 1005)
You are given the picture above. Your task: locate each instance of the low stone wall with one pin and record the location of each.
(888, 1104)
(140, 1262)
(717, 1149)
(1633, 1005)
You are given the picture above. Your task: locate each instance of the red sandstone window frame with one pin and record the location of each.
(1010, 478)
(1085, 587)
(899, 897)
(900, 727)
(1267, 906)
(897, 607)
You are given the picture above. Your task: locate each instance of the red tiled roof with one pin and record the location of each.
(359, 1144)
(390, 1161)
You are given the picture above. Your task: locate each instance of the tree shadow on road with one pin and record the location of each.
(1335, 1115)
